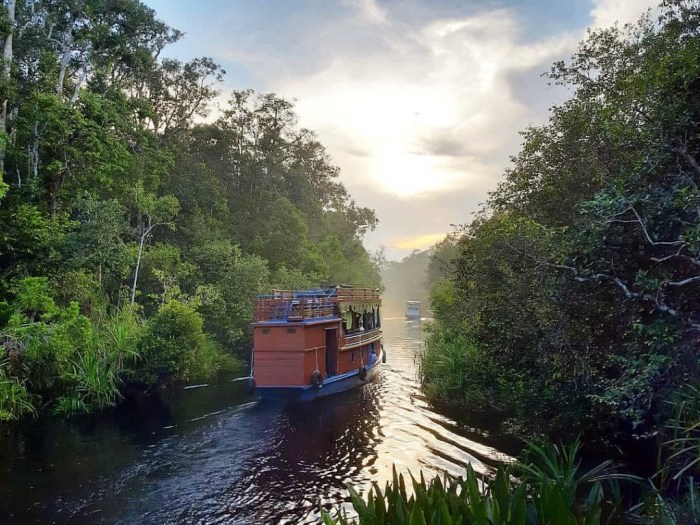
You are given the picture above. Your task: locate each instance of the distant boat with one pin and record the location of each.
(312, 343)
(413, 310)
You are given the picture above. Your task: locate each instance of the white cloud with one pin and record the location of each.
(606, 13)
(432, 109)
(369, 10)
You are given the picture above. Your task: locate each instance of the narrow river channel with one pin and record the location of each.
(210, 455)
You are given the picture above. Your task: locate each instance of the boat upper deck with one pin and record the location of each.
(310, 305)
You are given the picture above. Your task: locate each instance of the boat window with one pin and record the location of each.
(352, 357)
(291, 330)
(266, 331)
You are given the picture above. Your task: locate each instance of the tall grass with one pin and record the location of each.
(680, 452)
(94, 384)
(96, 373)
(15, 400)
(674, 496)
(454, 371)
(120, 336)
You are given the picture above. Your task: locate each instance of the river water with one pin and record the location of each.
(211, 455)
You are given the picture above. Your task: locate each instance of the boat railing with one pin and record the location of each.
(288, 305)
(290, 309)
(362, 337)
(358, 295)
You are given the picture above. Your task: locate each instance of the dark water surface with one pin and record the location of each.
(210, 455)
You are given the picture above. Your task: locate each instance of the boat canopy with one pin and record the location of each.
(300, 305)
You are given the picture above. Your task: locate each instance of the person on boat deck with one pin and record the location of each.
(372, 357)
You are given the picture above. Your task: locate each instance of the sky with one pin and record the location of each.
(419, 102)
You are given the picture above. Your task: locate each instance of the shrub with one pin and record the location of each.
(454, 371)
(212, 360)
(173, 339)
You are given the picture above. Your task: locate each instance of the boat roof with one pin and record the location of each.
(314, 304)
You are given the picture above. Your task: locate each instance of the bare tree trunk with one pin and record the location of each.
(65, 56)
(78, 84)
(6, 70)
(138, 262)
(33, 157)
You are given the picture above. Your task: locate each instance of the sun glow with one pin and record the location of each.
(408, 174)
(417, 242)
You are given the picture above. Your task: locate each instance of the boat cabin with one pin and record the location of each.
(326, 338)
(413, 310)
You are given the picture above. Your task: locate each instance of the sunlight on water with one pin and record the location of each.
(212, 456)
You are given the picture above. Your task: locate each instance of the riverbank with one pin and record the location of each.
(57, 359)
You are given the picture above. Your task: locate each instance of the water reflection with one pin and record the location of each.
(210, 455)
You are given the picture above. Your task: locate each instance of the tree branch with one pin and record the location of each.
(689, 280)
(683, 152)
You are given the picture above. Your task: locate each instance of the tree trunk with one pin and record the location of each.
(78, 84)
(138, 263)
(6, 70)
(33, 157)
(65, 56)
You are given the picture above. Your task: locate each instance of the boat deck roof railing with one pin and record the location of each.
(299, 305)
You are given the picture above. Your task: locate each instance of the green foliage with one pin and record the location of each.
(174, 345)
(226, 285)
(56, 352)
(673, 495)
(578, 285)
(171, 342)
(92, 384)
(3, 188)
(114, 193)
(212, 360)
(455, 372)
(679, 454)
(98, 243)
(550, 492)
(32, 298)
(15, 400)
(293, 279)
(120, 335)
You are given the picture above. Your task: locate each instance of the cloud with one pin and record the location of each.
(431, 105)
(369, 10)
(606, 13)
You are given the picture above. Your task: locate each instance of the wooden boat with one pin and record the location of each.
(413, 310)
(312, 343)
